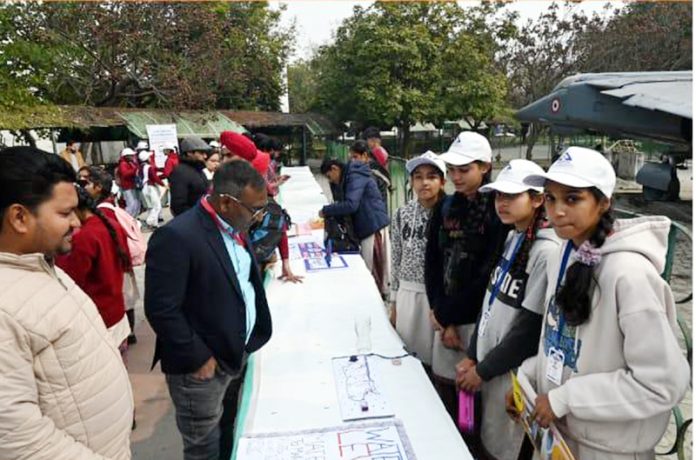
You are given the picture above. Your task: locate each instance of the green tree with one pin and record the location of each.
(395, 64)
(302, 86)
(541, 53)
(147, 54)
(651, 36)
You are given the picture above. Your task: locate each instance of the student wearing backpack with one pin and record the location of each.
(507, 330)
(465, 240)
(99, 185)
(609, 367)
(409, 310)
(270, 230)
(97, 262)
(127, 172)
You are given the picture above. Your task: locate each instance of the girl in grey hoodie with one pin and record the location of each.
(609, 368)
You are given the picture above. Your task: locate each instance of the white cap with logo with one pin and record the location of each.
(428, 158)
(467, 148)
(579, 167)
(511, 179)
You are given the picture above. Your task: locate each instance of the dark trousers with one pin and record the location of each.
(205, 412)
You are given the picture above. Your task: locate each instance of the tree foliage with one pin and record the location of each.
(145, 54)
(395, 64)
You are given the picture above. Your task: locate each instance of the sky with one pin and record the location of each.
(316, 20)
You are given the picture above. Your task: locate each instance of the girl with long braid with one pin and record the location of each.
(507, 330)
(97, 263)
(608, 368)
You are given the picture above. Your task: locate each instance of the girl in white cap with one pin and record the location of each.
(465, 240)
(409, 310)
(507, 331)
(609, 367)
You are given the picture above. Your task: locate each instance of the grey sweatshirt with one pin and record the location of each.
(408, 241)
(623, 368)
(511, 332)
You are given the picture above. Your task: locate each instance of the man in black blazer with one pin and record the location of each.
(205, 300)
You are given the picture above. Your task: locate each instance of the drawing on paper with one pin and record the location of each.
(358, 389)
(315, 258)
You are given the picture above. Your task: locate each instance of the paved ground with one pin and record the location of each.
(156, 436)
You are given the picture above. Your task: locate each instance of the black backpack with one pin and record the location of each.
(339, 235)
(266, 234)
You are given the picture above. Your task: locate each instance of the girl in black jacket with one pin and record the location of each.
(465, 237)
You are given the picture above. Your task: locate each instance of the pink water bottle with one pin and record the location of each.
(466, 411)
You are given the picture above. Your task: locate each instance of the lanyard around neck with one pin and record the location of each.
(213, 215)
(561, 274)
(507, 263)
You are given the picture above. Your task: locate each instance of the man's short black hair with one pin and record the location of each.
(372, 133)
(234, 176)
(328, 163)
(28, 175)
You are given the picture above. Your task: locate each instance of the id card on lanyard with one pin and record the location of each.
(556, 358)
(504, 269)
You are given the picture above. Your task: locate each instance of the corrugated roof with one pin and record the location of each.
(201, 124)
(318, 125)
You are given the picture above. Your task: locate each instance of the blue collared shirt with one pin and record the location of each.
(241, 261)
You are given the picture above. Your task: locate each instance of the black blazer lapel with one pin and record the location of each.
(216, 243)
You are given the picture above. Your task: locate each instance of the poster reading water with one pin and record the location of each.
(366, 441)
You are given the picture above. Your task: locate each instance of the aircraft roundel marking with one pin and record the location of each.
(555, 105)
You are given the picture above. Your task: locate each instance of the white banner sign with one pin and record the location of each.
(159, 137)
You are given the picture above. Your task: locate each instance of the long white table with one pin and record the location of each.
(290, 384)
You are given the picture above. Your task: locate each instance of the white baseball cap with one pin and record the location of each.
(214, 144)
(127, 151)
(428, 158)
(511, 178)
(142, 145)
(467, 148)
(144, 155)
(579, 167)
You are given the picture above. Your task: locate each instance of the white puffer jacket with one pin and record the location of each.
(64, 391)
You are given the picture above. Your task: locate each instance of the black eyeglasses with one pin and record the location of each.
(255, 212)
(83, 183)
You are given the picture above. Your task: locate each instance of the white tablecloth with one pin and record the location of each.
(291, 385)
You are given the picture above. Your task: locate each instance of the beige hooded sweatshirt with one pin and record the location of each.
(623, 368)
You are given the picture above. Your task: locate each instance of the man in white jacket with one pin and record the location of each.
(64, 391)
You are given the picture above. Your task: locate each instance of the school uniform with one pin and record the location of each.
(408, 241)
(613, 380)
(507, 333)
(459, 260)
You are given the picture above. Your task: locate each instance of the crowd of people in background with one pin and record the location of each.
(525, 274)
